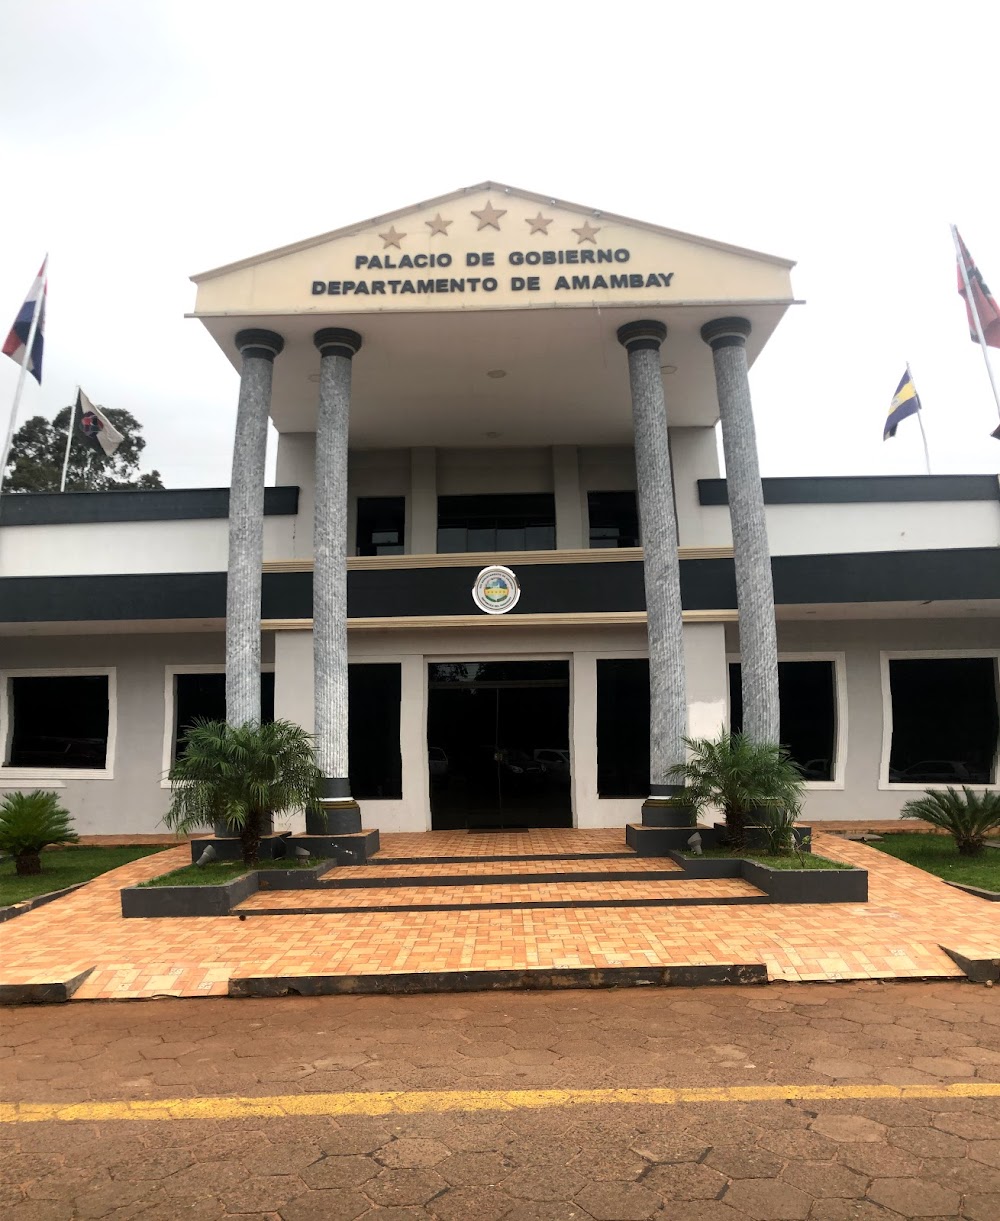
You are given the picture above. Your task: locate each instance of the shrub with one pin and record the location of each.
(239, 775)
(30, 822)
(743, 778)
(968, 816)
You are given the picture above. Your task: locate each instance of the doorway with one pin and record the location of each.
(498, 744)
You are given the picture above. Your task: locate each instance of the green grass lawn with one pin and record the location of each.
(219, 872)
(792, 861)
(62, 867)
(937, 854)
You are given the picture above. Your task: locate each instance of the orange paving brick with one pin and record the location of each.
(543, 841)
(473, 868)
(896, 935)
(549, 892)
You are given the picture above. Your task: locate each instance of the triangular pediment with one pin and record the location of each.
(492, 247)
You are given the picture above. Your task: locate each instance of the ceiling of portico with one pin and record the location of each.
(535, 362)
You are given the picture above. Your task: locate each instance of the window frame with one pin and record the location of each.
(887, 655)
(59, 773)
(840, 713)
(170, 706)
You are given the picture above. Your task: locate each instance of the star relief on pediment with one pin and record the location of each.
(489, 217)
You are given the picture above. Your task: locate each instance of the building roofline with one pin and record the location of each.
(437, 201)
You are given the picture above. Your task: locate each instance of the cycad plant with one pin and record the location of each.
(30, 822)
(240, 775)
(746, 780)
(968, 816)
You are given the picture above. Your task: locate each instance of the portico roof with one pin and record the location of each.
(492, 310)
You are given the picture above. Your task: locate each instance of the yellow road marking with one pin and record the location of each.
(415, 1102)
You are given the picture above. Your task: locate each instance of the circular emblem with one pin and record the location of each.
(496, 590)
(90, 425)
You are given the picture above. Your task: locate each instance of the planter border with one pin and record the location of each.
(782, 885)
(144, 902)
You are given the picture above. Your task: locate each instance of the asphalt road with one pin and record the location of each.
(828, 1102)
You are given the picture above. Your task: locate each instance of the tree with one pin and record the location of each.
(239, 775)
(30, 822)
(967, 816)
(39, 448)
(740, 776)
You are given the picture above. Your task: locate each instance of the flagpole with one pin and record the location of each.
(69, 439)
(35, 317)
(920, 421)
(971, 301)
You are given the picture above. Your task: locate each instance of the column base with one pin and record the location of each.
(352, 848)
(334, 818)
(667, 812)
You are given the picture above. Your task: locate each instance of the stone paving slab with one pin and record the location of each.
(897, 934)
(864, 1102)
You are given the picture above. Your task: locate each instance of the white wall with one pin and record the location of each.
(133, 800)
(832, 529)
(859, 795)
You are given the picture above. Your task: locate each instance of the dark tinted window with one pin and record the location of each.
(381, 521)
(509, 522)
(807, 690)
(623, 727)
(204, 696)
(944, 720)
(59, 722)
(376, 769)
(614, 519)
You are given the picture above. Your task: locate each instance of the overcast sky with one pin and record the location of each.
(145, 141)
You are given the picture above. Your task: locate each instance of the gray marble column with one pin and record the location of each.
(754, 586)
(246, 526)
(337, 348)
(661, 568)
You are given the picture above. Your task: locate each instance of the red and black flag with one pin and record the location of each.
(981, 299)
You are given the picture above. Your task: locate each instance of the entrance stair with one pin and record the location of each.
(457, 871)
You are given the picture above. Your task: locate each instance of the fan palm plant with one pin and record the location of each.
(968, 816)
(744, 778)
(240, 775)
(30, 822)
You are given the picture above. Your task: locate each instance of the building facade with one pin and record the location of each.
(499, 575)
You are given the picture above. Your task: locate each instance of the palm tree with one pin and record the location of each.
(742, 777)
(30, 822)
(240, 775)
(969, 818)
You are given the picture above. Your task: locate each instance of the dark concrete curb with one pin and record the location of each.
(26, 905)
(498, 981)
(993, 896)
(539, 856)
(42, 993)
(520, 905)
(979, 970)
(361, 882)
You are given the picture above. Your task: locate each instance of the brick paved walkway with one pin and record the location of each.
(896, 935)
(459, 1108)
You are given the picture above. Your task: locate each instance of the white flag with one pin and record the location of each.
(97, 429)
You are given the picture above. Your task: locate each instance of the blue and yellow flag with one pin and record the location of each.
(905, 402)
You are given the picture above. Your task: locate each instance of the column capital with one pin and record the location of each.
(726, 333)
(646, 335)
(337, 341)
(265, 344)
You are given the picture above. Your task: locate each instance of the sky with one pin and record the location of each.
(144, 142)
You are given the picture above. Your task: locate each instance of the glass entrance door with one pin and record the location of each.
(498, 744)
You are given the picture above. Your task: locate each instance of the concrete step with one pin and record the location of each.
(555, 869)
(489, 896)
